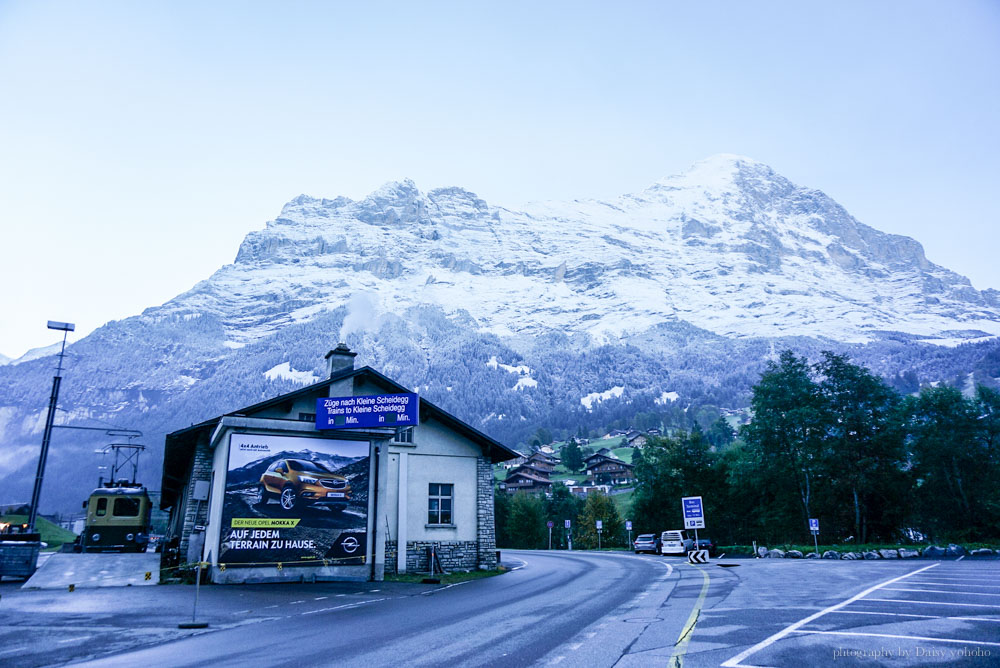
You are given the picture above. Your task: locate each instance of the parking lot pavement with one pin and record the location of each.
(42, 628)
(944, 613)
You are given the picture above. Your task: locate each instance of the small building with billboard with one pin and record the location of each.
(347, 478)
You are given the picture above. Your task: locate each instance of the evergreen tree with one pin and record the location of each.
(572, 457)
(527, 522)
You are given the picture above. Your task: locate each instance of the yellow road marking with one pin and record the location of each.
(680, 647)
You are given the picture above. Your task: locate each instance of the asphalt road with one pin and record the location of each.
(574, 609)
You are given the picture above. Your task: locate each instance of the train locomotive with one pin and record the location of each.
(118, 512)
(118, 519)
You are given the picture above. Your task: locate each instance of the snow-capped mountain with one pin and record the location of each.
(658, 308)
(729, 246)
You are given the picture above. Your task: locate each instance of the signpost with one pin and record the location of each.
(628, 527)
(550, 524)
(600, 528)
(814, 530)
(694, 518)
(569, 534)
(367, 411)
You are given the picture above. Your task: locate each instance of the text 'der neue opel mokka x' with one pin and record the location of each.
(297, 483)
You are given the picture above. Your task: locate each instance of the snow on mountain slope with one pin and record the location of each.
(729, 246)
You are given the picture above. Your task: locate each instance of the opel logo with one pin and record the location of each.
(350, 544)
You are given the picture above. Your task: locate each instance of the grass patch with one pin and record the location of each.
(446, 578)
(623, 502)
(53, 534)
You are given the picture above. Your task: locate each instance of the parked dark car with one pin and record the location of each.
(647, 542)
(707, 544)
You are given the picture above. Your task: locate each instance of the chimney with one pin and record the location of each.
(339, 359)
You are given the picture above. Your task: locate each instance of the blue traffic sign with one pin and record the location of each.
(692, 507)
(814, 525)
(694, 512)
(366, 411)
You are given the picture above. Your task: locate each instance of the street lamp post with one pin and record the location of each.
(65, 328)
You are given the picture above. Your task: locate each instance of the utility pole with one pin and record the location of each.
(65, 328)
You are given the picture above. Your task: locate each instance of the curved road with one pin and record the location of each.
(583, 608)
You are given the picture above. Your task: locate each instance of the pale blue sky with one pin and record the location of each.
(139, 142)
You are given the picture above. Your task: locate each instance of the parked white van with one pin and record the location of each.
(675, 542)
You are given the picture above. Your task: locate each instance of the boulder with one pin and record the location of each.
(812, 555)
(793, 554)
(830, 554)
(982, 552)
(851, 556)
(775, 554)
(762, 551)
(932, 552)
(908, 554)
(889, 554)
(955, 551)
(872, 554)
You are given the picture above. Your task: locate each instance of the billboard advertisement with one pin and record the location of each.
(293, 500)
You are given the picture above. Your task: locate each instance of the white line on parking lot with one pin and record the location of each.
(887, 635)
(736, 661)
(953, 584)
(906, 600)
(941, 591)
(911, 614)
(959, 580)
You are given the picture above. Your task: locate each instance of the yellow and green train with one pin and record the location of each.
(118, 520)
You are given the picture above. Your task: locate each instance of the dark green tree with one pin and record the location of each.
(572, 457)
(527, 521)
(501, 517)
(954, 463)
(865, 450)
(560, 506)
(721, 432)
(787, 436)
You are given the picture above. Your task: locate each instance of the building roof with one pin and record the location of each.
(530, 476)
(604, 459)
(180, 445)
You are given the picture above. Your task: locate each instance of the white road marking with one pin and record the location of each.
(72, 639)
(344, 607)
(556, 660)
(12, 651)
(296, 602)
(575, 646)
(321, 598)
(952, 584)
(270, 606)
(241, 612)
(904, 600)
(911, 614)
(960, 558)
(941, 591)
(590, 635)
(976, 580)
(736, 661)
(887, 635)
